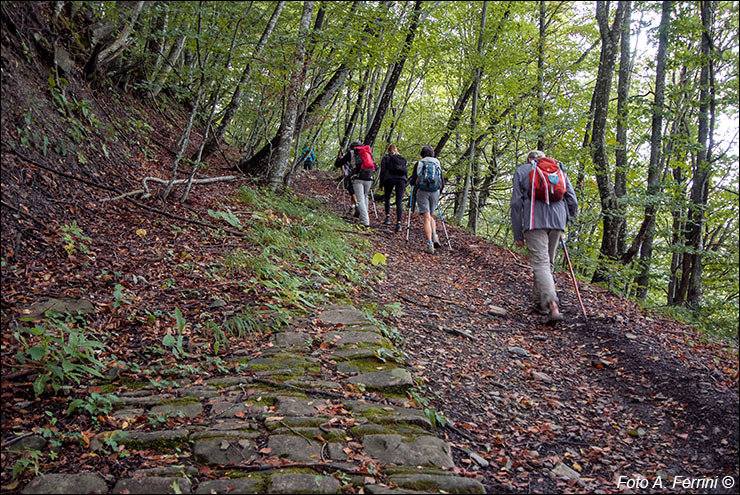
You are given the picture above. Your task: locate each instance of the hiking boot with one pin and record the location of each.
(430, 247)
(398, 227)
(435, 240)
(387, 220)
(553, 319)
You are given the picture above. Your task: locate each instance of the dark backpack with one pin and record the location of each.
(430, 177)
(397, 165)
(547, 180)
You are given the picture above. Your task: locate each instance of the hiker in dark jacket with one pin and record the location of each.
(340, 162)
(393, 176)
(540, 223)
(426, 201)
(361, 180)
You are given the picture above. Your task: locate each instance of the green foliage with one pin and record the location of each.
(62, 351)
(30, 460)
(435, 417)
(228, 216)
(94, 405)
(118, 297)
(175, 343)
(73, 239)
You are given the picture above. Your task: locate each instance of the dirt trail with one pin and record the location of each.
(629, 395)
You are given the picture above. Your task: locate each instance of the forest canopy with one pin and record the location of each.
(638, 100)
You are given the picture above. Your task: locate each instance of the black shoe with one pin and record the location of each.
(398, 227)
(387, 220)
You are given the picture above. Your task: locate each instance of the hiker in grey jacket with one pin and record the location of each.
(541, 228)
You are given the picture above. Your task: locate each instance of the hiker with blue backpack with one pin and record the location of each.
(427, 182)
(393, 176)
(360, 166)
(542, 203)
(308, 157)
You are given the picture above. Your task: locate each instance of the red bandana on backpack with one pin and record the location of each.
(548, 183)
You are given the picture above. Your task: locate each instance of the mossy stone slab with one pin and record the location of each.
(303, 483)
(437, 483)
(422, 450)
(67, 483)
(240, 485)
(396, 379)
(152, 484)
(342, 315)
(352, 337)
(294, 448)
(220, 450)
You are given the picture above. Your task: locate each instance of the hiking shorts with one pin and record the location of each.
(426, 201)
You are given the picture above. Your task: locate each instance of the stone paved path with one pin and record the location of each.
(238, 424)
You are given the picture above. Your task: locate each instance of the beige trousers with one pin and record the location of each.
(542, 245)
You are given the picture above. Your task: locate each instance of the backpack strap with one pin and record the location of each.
(536, 172)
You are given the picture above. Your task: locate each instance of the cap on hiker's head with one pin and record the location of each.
(355, 144)
(426, 151)
(534, 155)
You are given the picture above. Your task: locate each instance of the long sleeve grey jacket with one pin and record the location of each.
(556, 215)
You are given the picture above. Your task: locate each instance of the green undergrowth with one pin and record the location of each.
(298, 251)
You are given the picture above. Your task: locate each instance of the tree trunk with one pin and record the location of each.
(602, 93)
(279, 166)
(691, 290)
(104, 54)
(654, 167)
(374, 126)
(620, 153)
(164, 72)
(473, 168)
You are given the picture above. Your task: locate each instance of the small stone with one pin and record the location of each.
(563, 471)
(630, 335)
(496, 310)
(543, 377)
(518, 351)
(31, 442)
(217, 303)
(481, 461)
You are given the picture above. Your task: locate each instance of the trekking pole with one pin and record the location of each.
(411, 205)
(443, 226)
(573, 277)
(374, 207)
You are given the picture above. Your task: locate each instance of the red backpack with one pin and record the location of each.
(548, 183)
(364, 154)
(547, 180)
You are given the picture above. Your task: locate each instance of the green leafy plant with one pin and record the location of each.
(228, 216)
(30, 460)
(118, 296)
(175, 343)
(94, 405)
(62, 352)
(73, 239)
